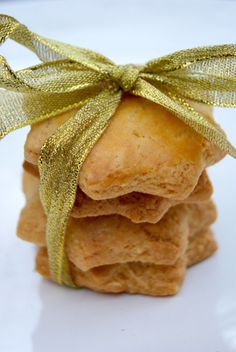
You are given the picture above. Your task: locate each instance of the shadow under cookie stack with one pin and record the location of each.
(143, 206)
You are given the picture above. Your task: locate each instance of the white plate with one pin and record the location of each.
(36, 315)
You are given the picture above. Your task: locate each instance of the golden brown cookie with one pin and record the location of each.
(144, 149)
(110, 239)
(148, 279)
(138, 207)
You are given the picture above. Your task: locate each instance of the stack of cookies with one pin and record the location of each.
(143, 206)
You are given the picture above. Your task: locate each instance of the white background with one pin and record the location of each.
(36, 315)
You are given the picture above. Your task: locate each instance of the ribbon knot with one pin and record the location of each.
(125, 76)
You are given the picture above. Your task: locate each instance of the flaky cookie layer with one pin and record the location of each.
(136, 277)
(138, 207)
(110, 239)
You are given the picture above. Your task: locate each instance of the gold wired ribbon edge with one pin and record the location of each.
(70, 77)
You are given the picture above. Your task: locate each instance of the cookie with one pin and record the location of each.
(138, 207)
(110, 239)
(136, 277)
(114, 239)
(145, 149)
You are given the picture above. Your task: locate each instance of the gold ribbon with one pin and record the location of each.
(73, 78)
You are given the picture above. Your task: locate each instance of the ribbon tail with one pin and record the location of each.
(60, 162)
(184, 111)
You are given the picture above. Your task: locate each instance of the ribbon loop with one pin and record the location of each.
(125, 76)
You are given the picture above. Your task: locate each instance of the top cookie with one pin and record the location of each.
(144, 149)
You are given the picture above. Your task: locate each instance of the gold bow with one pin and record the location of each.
(71, 77)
